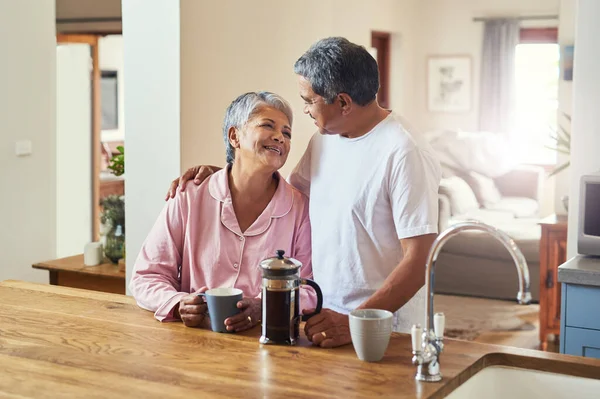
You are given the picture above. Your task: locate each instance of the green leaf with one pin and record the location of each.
(558, 149)
(559, 168)
(117, 162)
(560, 142)
(564, 135)
(567, 116)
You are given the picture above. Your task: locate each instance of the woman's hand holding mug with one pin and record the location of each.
(193, 311)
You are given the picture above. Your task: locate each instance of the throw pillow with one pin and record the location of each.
(461, 196)
(484, 188)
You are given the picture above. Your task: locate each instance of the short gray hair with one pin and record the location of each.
(244, 107)
(335, 65)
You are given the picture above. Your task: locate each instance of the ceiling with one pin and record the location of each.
(88, 16)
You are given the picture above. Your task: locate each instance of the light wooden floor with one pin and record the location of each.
(497, 322)
(521, 339)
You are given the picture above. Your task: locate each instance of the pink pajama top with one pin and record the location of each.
(197, 242)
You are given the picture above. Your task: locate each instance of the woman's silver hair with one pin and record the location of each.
(335, 65)
(244, 107)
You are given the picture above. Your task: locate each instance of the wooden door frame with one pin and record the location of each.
(92, 41)
(381, 41)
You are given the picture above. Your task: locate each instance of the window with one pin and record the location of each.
(109, 90)
(537, 74)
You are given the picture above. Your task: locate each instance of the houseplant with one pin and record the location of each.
(117, 162)
(113, 214)
(113, 226)
(562, 145)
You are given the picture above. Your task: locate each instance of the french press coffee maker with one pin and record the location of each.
(281, 300)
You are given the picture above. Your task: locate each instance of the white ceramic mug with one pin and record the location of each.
(92, 254)
(370, 330)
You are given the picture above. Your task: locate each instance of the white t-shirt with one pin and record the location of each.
(366, 194)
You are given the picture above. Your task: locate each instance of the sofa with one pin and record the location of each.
(474, 263)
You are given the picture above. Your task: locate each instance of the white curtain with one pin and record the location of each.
(497, 91)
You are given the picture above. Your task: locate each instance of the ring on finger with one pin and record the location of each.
(323, 334)
(250, 319)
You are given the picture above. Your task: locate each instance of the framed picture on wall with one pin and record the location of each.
(449, 83)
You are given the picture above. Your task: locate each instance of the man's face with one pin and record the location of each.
(327, 117)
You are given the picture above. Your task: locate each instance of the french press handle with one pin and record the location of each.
(311, 283)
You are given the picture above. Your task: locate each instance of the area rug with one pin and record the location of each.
(468, 317)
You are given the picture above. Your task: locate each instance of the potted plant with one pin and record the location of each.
(113, 226)
(113, 214)
(117, 162)
(562, 144)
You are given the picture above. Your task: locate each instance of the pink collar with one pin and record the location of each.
(279, 206)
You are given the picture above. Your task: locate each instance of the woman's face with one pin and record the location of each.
(264, 139)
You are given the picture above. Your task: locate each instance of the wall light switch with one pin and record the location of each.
(23, 148)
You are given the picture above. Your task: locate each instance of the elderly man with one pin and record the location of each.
(373, 188)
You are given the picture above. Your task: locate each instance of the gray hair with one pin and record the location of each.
(244, 107)
(335, 65)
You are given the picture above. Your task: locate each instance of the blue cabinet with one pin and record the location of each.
(582, 342)
(580, 320)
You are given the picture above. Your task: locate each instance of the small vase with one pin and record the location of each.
(115, 244)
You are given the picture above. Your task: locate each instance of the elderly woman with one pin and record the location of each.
(215, 235)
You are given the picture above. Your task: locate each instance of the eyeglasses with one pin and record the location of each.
(312, 102)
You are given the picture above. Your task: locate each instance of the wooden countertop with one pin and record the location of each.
(75, 264)
(57, 341)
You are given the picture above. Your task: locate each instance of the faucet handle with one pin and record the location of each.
(416, 333)
(439, 325)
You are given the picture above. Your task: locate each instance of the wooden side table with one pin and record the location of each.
(553, 252)
(71, 272)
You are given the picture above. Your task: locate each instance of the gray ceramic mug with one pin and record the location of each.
(370, 330)
(222, 304)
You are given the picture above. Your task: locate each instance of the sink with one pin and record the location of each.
(516, 383)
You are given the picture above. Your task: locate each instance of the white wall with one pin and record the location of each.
(447, 28)
(151, 38)
(586, 118)
(110, 49)
(566, 36)
(27, 112)
(231, 47)
(356, 19)
(73, 149)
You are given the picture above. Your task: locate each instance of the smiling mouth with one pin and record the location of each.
(274, 149)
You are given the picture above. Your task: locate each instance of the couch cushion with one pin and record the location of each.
(461, 196)
(526, 232)
(519, 207)
(485, 189)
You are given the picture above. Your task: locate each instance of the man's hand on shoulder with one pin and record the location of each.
(197, 173)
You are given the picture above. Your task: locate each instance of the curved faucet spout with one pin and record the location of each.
(524, 295)
(428, 341)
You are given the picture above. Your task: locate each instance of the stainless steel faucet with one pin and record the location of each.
(428, 342)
